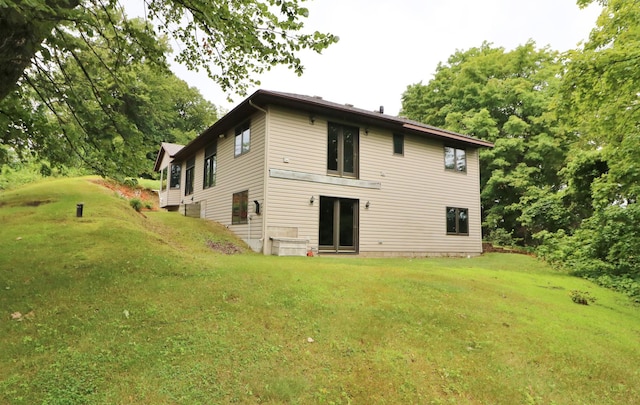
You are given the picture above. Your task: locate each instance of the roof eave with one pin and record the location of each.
(319, 107)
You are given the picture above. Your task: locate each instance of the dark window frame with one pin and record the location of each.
(240, 208)
(398, 144)
(189, 176)
(210, 166)
(458, 154)
(243, 134)
(457, 224)
(176, 172)
(338, 152)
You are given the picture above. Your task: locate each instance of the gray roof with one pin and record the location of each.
(170, 148)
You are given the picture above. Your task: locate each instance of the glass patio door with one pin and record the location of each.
(338, 225)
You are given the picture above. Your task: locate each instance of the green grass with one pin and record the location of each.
(149, 184)
(124, 308)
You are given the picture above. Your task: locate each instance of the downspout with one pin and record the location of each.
(265, 209)
(256, 107)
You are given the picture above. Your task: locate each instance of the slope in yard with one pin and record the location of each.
(114, 307)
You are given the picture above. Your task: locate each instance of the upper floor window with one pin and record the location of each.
(189, 176)
(210, 166)
(342, 150)
(240, 207)
(243, 139)
(175, 176)
(398, 144)
(457, 221)
(455, 159)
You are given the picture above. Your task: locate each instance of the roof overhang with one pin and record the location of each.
(169, 148)
(315, 106)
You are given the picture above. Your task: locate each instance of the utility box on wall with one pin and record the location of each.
(191, 210)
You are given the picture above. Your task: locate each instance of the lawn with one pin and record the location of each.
(129, 308)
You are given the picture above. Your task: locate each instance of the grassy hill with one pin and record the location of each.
(117, 307)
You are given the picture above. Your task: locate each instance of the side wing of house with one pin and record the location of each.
(347, 187)
(170, 192)
(222, 180)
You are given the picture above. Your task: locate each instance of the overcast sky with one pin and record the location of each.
(387, 45)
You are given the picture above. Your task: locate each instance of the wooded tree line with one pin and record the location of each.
(564, 175)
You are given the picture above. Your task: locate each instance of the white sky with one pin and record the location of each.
(387, 45)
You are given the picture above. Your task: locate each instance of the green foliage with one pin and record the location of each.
(599, 101)
(114, 113)
(600, 97)
(136, 204)
(501, 237)
(130, 182)
(18, 172)
(82, 85)
(582, 297)
(623, 284)
(240, 38)
(583, 171)
(230, 40)
(606, 248)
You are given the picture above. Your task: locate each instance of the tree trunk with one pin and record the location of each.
(22, 32)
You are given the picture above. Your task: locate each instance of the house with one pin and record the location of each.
(290, 174)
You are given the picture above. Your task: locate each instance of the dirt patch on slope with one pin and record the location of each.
(129, 192)
(228, 248)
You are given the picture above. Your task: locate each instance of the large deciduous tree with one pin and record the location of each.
(231, 40)
(503, 97)
(601, 97)
(601, 102)
(107, 109)
(78, 80)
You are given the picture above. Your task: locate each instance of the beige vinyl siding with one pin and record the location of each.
(169, 197)
(298, 145)
(235, 174)
(407, 213)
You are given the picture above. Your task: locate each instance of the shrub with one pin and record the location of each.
(582, 297)
(136, 204)
(130, 181)
(501, 237)
(623, 284)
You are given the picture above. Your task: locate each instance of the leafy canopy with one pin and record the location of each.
(82, 84)
(231, 40)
